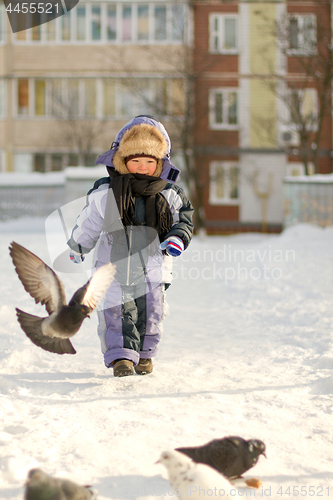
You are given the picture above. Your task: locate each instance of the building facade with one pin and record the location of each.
(260, 75)
(67, 86)
(257, 73)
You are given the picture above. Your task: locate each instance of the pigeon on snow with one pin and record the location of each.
(232, 455)
(41, 486)
(191, 480)
(52, 332)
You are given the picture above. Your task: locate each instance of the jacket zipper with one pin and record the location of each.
(128, 231)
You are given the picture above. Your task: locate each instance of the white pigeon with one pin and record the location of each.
(191, 480)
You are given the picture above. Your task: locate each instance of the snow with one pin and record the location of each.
(247, 350)
(92, 173)
(50, 178)
(316, 178)
(32, 179)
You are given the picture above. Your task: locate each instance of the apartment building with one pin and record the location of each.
(68, 85)
(262, 108)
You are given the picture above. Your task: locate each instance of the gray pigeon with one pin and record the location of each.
(231, 455)
(41, 486)
(53, 332)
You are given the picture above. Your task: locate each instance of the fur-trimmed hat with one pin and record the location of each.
(141, 139)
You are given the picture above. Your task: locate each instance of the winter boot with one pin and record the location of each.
(122, 368)
(144, 366)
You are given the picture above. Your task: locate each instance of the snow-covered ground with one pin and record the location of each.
(247, 350)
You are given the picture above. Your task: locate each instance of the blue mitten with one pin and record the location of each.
(76, 257)
(173, 246)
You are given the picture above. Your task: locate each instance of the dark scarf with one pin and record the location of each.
(126, 187)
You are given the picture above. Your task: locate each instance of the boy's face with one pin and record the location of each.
(143, 165)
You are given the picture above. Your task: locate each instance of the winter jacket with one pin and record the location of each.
(88, 234)
(126, 246)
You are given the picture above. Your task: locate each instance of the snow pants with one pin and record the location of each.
(132, 327)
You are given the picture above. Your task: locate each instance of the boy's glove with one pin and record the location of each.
(76, 257)
(173, 246)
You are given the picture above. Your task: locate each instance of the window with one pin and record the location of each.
(56, 162)
(126, 23)
(223, 34)
(104, 22)
(2, 160)
(36, 20)
(21, 36)
(50, 33)
(143, 97)
(143, 22)
(3, 98)
(56, 97)
(49, 29)
(72, 98)
(65, 21)
(109, 101)
(111, 23)
(23, 97)
(160, 18)
(223, 185)
(73, 160)
(303, 108)
(23, 162)
(178, 22)
(90, 97)
(87, 98)
(2, 23)
(177, 97)
(52, 162)
(39, 163)
(96, 31)
(81, 23)
(40, 97)
(223, 109)
(302, 34)
(126, 99)
(160, 97)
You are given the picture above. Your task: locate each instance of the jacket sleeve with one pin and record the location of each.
(182, 211)
(89, 223)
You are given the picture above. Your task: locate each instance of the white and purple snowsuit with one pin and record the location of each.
(131, 313)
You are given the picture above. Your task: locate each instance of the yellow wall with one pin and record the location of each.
(262, 63)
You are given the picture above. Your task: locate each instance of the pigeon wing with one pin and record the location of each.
(235, 449)
(31, 325)
(58, 346)
(222, 455)
(92, 292)
(38, 279)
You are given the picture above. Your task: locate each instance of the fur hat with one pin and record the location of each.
(139, 140)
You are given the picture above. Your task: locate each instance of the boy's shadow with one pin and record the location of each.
(131, 487)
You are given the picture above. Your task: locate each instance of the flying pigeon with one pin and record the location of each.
(191, 480)
(41, 486)
(52, 333)
(231, 455)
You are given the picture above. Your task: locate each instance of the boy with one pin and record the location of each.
(139, 221)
